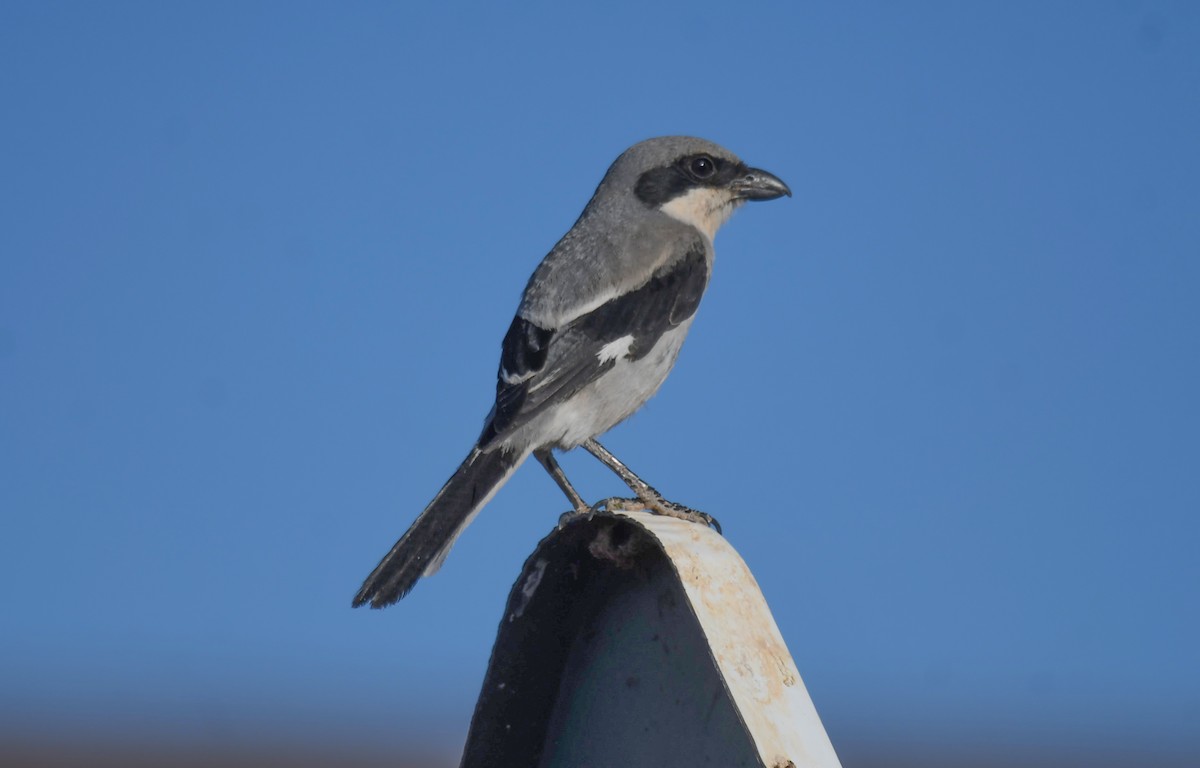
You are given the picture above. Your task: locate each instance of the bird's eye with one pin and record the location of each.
(702, 166)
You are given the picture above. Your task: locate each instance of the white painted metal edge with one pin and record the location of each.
(746, 644)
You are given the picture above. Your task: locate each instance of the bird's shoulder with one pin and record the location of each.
(594, 264)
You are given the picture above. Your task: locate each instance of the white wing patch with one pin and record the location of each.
(615, 350)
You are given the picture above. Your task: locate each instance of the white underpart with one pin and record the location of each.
(615, 349)
(705, 208)
(605, 402)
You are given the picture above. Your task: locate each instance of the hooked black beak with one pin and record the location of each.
(757, 184)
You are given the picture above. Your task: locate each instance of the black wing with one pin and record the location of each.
(541, 367)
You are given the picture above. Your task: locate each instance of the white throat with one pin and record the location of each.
(704, 208)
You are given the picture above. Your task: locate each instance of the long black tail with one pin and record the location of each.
(426, 543)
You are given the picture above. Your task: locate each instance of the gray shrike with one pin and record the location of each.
(598, 329)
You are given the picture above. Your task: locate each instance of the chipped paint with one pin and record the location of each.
(529, 587)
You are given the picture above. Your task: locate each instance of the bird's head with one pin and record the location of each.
(692, 180)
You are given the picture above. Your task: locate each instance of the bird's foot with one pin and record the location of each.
(617, 504)
(652, 501)
(587, 513)
(661, 506)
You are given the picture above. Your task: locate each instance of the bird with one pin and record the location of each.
(598, 328)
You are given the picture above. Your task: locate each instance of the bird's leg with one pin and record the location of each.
(547, 460)
(649, 497)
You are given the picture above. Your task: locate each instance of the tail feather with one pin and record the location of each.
(424, 546)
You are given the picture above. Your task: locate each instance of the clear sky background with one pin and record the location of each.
(256, 261)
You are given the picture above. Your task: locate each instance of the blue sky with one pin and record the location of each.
(256, 261)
